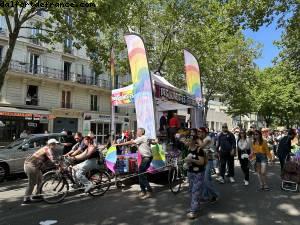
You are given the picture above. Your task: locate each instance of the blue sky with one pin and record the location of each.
(266, 35)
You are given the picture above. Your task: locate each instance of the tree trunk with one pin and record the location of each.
(5, 65)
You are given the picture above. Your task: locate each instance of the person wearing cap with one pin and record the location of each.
(33, 168)
(285, 146)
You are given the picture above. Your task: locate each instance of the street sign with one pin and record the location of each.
(32, 124)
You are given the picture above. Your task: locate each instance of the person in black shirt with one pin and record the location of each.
(196, 168)
(163, 123)
(285, 146)
(69, 142)
(226, 148)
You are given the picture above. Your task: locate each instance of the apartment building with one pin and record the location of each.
(52, 90)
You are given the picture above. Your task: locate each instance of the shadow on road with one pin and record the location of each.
(238, 205)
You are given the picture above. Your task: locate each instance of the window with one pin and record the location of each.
(94, 103)
(66, 100)
(39, 12)
(34, 35)
(67, 70)
(68, 45)
(38, 142)
(32, 95)
(34, 63)
(2, 23)
(69, 20)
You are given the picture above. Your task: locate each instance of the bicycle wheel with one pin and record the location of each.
(175, 179)
(54, 187)
(101, 180)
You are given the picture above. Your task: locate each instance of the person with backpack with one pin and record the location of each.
(196, 170)
(226, 147)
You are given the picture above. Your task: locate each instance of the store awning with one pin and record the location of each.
(10, 111)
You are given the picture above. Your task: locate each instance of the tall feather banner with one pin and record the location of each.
(192, 75)
(142, 84)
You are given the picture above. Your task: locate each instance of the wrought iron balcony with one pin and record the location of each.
(66, 105)
(52, 73)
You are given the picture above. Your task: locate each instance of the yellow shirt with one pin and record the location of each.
(263, 149)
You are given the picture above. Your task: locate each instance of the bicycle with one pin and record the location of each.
(55, 185)
(176, 175)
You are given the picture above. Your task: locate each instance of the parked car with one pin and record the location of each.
(12, 157)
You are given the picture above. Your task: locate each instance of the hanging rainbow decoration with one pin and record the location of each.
(158, 161)
(192, 75)
(142, 84)
(111, 158)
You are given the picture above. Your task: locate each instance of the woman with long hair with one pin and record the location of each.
(261, 151)
(196, 169)
(244, 150)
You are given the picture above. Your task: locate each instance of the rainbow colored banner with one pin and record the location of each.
(158, 161)
(111, 158)
(142, 84)
(192, 75)
(122, 96)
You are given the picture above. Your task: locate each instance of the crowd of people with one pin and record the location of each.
(205, 153)
(210, 152)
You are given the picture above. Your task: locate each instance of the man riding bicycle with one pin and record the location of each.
(79, 147)
(88, 161)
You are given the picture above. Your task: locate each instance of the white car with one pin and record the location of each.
(12, 157)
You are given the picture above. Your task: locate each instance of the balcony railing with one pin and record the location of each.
(52, 73)
(32, 101)
(66, 105)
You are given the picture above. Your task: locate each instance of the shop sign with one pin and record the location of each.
(175, 96)
(16, 114)
(32, 124)
(102, 118)
(44, 119)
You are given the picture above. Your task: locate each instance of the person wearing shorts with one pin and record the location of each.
(262, 153)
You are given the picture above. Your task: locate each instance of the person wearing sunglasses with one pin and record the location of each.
(261, 151)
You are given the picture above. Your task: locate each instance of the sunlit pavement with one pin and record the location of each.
(237, 205)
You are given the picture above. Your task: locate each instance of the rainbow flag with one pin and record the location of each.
(158, 161)
(192, 75)
(142, 84)
(111, 158)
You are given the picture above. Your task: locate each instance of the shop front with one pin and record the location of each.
(68, 120)
(100, 125)
(15, 120)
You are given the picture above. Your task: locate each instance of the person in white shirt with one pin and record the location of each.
(144, 149)
(244, 150)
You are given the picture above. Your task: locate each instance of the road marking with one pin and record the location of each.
(48, 222)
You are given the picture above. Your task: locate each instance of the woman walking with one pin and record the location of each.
(244, 150)
(196, 168)
(261, 151)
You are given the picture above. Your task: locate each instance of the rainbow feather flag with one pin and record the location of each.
(192, 75)
(142, 84)
(111, 158)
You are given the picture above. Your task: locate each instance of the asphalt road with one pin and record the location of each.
(238, 205)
